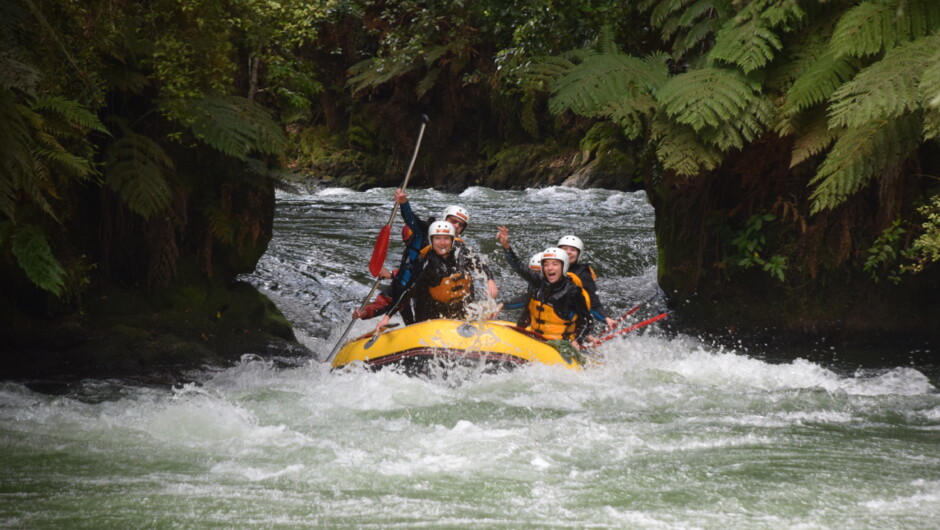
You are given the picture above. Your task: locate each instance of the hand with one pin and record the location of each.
(492, 288)
(611, 323)
(382, 323)
(591, 341)
(385, 274)
(502, 236)
(400, 197)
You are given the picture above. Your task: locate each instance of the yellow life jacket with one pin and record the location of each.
(544, 320)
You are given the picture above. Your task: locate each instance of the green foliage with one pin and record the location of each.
(34, 256)
(887, 89)
(826, 74)
(749, 243)
(235, 126)
(884, 254)
(875, 26)
(861, 154)
(136, 169)
(926, 248)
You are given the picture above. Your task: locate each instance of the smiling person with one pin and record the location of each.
(443, 278)
(558, 307)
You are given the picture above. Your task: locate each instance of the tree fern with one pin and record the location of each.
(235, 126)
(707, 97)
(377, 71)
(814, 137)
(34, 256)
(819, 81)
(749, 39)
(680, 149)
(862, 154)
(887, 88)
(930, 94)
(135, 168)
(877, 25)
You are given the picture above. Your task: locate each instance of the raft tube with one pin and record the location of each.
(495, 343)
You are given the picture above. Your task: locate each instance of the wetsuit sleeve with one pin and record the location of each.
(516, 302)
(587, 280)
(413, 222)
(524, 272)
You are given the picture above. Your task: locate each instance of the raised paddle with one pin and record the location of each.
(380, 251)
(381, 242)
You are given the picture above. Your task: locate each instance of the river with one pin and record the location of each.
(669, 432)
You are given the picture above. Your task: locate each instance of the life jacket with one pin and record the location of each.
(454, 287)
(546, 320)
(550, 324)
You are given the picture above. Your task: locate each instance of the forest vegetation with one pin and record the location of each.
(789, 147)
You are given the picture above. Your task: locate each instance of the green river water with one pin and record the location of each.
(669, 432)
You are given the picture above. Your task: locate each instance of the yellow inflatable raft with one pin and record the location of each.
(493, 343)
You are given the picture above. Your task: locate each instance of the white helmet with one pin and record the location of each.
(456, 211)
(441, 228)
(535, 262)
(572, 241)
(556, 253)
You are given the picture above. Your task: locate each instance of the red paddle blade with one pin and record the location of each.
(380, 251)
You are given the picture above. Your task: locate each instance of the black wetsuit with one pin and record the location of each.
(588, 281)
(443, 286)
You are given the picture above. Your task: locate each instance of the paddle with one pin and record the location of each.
(381, 241)
(638, 325)
(380, 251)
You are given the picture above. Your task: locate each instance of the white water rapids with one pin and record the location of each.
(669, 432)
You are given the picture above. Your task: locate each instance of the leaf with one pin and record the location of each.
(819, 81)
(887, 88)
(135, 169)
(877, 25)
(707, 97)
(34, 256)
(235, 126)
(862, 154)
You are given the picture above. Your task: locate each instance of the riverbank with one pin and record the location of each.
(124, 332)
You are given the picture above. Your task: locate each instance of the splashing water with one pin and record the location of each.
(667, 432)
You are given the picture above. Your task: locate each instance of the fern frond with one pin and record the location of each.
(819, 81)
(235, 126)
(606, 41)
(707, 97)
(72, 112)
(542, 70)
(749, 46)
(812, 137)
(876, 25)
(602, 81)
(748, 126)
(35, 257)
(930, 95)
(377, 71)
(427, 82)
(862, 154)
(134, 169)
(887, 88)
(930, 82)
(679, 149)
(749, 40)
(221, 224)
(694, 36)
